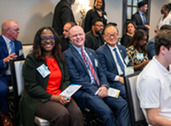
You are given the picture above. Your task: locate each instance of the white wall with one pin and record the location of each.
(33, 14)
(114, 11)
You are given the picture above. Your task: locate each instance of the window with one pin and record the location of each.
(129, 8)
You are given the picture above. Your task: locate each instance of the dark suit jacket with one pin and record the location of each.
(62, 14)
(138, 21)
(92, 41)
(64, 43)
(107, 61)
(90, 16)
(35, 88)
(78, 70)
(4, 53)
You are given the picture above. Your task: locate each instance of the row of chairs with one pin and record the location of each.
(136, 114)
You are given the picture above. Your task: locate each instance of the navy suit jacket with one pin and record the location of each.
(107, 61)
(138, 21)
(4, 53)
(78, 70)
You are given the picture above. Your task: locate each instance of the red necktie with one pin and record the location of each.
(90, 66)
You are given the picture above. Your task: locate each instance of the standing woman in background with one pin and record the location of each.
(166, 18)
(130, 30)
(45, 76)
(96, 12)
(137, 51)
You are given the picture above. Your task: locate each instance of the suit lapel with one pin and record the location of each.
(78, 56)
(121, 52)
(140, 19)
(109, 54)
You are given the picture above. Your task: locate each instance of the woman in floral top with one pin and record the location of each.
(137, 51)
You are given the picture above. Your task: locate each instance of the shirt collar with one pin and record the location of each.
(140, 12)
(162, 68)
(77, 48)
(7, 41)
(111, 48)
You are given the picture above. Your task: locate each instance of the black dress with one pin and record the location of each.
(125, 40)
(90, 16)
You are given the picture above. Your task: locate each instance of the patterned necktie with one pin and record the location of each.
(119, 61)
(12, 47)
(90, 67)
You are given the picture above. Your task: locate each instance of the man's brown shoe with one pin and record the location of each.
(6, 121)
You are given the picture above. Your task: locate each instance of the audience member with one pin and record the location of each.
(150, 45)
(166, 18)
(62, 14)
(45, 76)
(137, 51)
(140, 17)
(97, 12)
(64, 39)
(130, 30)
(10, 49)
(94, 38)
(153, 84)
(84, 68)
(113, 59)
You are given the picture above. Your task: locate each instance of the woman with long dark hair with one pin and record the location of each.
(98, 11)
(137, 51)
(45, 76)
(129, 32)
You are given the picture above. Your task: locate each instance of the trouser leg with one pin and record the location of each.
(97, 105)
(76, 114)
(120, 106)
(54, 112)
(3, 95)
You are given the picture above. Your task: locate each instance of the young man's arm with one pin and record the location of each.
(155, 119)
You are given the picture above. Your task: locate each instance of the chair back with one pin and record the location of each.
(136, 114)
(16, 67)
(16, 76)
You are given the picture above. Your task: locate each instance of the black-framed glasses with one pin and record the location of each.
(99, 25)
(45, 38)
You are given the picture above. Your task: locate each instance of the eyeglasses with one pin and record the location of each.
(17, 29)
(99, 25)
(45, 38)
(111, 35)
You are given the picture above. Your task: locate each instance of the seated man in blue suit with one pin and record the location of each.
(113, 68)
(85, 69)
(10, 49)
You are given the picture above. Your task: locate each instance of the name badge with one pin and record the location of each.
(20, 52)
(43, 70)
(140, 56)
(96, 62)
(105, 17)
(126, 60)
